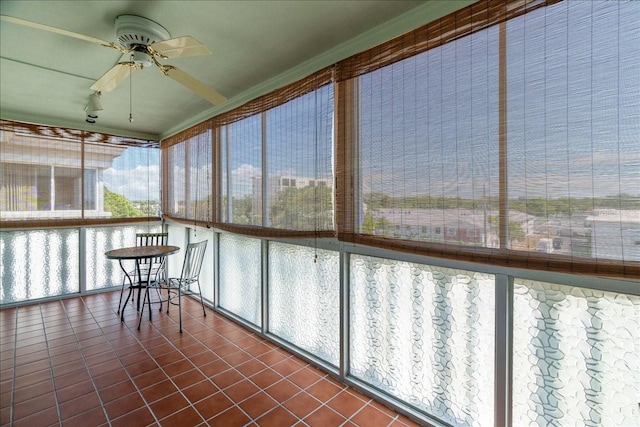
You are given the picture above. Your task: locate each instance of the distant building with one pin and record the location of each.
(459, 226)
(615, 234)
(277, 183)
(42, 177)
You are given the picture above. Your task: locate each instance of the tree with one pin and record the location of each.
(243, 210)
(515, 229)
(306, 208)
(515, 232)
(370, 223)
(119, 205)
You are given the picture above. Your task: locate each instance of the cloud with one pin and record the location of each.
(139, 183)
(242, 179)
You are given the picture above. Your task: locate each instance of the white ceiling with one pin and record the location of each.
(257, 46)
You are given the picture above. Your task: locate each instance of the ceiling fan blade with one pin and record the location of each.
(195, 85)
(51, 29)
(113, 77)
(180, 47)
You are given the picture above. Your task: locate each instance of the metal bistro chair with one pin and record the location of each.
(154, 267)
(193, 257)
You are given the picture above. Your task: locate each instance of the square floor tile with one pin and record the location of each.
(213, 405)
(372, 417)
(77, 406)
(241, 390)
(325, 416)
(200, 390)
(277, 417)
(231, 417)
(302, 404)
(169, 405)
(158, 391)
(346, 404)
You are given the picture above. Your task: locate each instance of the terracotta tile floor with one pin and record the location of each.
(72, 362)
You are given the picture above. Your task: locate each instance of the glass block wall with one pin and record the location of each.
(420, 334)
(304, 298)
(425, 335)
(207, 271)
(576, 356)
(39, 263)
(241, 277)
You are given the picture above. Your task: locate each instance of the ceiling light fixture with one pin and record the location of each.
(93, 106)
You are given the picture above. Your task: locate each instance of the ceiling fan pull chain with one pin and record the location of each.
(131, 94)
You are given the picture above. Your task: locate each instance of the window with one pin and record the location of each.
(42, 175)
(243, 177)
(265, 159)
(428, 136)
(176, 180)
(573, 102)
(508, 123)
(299, 145)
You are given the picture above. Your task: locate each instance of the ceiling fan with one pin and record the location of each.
(145, 42)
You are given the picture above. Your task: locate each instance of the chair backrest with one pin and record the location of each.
(193, 261)
(152, 239)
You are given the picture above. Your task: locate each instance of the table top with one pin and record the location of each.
(141, 252)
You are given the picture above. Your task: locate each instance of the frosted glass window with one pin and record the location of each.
(206, 272)
(304, 298)
(576, 356)
(38, 264)
(240, 277)
(425, 335)
(103, 272)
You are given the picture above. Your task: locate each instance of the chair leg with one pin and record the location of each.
(145, 300)
(180, 308)
(201, 300)
(121, 292)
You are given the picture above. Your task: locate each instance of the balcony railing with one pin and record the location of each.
(446, 342)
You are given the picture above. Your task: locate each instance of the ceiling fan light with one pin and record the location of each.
(94, 103)
(93, 106)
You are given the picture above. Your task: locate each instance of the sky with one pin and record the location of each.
(429, 124)
(135, 174)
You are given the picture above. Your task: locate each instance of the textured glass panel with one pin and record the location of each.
(304, 298)
(240, 277)
(576, 356)
(38, 264)
(103, 272)
(206, 273)
(425, 335)
(177, 237)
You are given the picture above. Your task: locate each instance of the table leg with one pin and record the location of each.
(129, 293)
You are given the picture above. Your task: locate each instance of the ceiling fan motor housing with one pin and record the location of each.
(135, 32)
